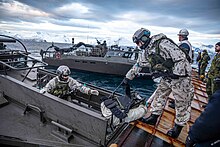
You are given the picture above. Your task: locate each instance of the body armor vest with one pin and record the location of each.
(61, 89)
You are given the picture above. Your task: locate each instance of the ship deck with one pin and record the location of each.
(140, 134)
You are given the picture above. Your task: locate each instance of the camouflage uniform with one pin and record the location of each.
(133, 114)
(181, 87)
(213, 72)
(60, 88)
(198, 60)
(204, 62)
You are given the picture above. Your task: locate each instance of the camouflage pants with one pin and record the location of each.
(199, 64)
(183, 93)
(202, 69)
(211, 87)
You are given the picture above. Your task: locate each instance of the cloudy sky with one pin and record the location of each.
(112, 19)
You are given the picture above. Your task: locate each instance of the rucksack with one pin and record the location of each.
(164, 37)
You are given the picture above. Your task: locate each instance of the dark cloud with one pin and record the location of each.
(72, 24)
(198, 15)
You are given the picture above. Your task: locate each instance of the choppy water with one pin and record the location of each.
(145, 87)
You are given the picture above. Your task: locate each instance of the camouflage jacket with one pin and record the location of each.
(169, 56)
(205, 58)
(57, 87)
(214, 70)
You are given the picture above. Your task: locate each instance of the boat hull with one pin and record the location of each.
(95, 64)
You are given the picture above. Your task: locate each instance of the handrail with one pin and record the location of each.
(17, 41)
(43, 64)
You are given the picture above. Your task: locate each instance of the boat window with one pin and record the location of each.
(77, 61)
(114, 53)
(84, 62)
(127, 55)
(92, 62)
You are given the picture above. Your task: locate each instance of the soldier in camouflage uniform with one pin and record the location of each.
(213, 72)
(204, 62)
(62, 84)
(185, 44)
(168, 61)
(198, 60)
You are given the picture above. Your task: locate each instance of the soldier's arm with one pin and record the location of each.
(74, 84)
(50, 85)
(137, 67)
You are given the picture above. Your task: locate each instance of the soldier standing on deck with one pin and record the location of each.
(198, 60)
(186, 47)
(169, 62)
(213, 72)
(204, 62)
(185, 44)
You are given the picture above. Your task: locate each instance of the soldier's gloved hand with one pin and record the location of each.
(94, 92)
(189, 142)
(125, 81)
(159, 67)
(43, 91)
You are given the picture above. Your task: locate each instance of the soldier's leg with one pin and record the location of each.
(199, 69)
(160, 96)
(136, 113)
(209, 87)
(183, 93)
(202, 72)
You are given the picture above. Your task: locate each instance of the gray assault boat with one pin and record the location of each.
(97, 58)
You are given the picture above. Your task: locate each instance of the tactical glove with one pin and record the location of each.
(125, 81)
(94, 92)
(43, 91)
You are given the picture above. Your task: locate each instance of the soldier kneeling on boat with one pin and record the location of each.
(63, 84)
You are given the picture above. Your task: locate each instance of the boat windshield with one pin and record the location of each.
(123, 54)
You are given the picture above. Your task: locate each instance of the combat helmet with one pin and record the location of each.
(183, 32)
(63, 71)
(141, 35)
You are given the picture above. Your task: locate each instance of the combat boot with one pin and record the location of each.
(151, 120)
(175, 131)
(172, 104)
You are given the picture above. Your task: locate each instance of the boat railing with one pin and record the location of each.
(18, 60)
